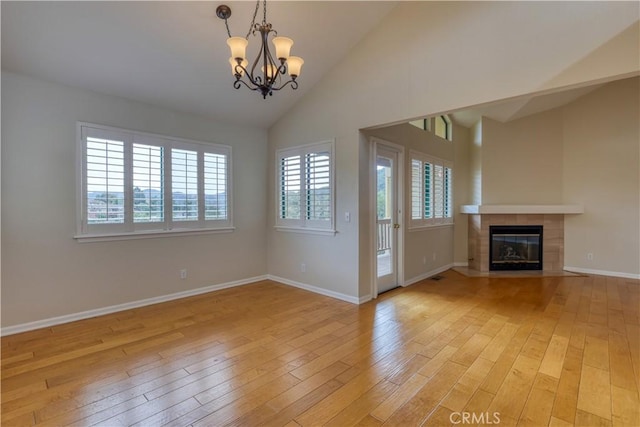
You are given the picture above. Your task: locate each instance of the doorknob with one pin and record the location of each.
(396, 225)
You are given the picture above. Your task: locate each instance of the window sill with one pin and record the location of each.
(429, 227)
(89, 238)
(316, 231)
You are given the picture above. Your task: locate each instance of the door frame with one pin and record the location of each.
(374, 143)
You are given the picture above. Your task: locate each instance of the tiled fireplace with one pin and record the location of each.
(552, 238)
(549, 218)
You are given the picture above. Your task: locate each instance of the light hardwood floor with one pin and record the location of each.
(533, 351)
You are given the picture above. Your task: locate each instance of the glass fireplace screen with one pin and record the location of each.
(515, 248)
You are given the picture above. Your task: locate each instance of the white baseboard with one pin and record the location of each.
(321, 291)
(10, 330)
(364, 299)
(30, 326)
(427, 274)
(602, 272)
(461, 264)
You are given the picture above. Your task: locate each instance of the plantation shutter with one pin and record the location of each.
(215, 186)
(105, 181)
(184, 185)
(448, 192)
(416, 189)
(438, 191)
(431, 191)
(290, 180)
(317, 186)
(103, 191)
(148, 187)
(428, 190)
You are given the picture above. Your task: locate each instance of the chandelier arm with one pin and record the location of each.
(282, 68)
(267, 61)
(271, 64)
(239, 70)
(237, 84)
(257, 60)
(276, 77)
(292, 82)
(257, 81)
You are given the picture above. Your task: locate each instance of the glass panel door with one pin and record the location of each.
(386, 219)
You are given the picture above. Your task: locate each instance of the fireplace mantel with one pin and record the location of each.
(521, 209)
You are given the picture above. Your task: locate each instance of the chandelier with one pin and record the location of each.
(265, 74)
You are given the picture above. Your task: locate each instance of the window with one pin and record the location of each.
(431, 191)
(443, 127)
(424, 124)
(133, 184)
(305, 188)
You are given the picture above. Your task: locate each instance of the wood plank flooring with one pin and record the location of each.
(535, 351)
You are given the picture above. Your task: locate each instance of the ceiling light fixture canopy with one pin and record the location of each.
(265, 74)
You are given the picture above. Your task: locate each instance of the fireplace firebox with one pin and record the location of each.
(515, 247)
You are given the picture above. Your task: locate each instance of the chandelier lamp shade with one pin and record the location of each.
(265, 74)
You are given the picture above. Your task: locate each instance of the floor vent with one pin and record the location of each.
(438, 277)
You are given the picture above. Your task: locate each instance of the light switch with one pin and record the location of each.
(347, 216)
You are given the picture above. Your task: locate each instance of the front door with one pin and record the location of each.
(386, 219)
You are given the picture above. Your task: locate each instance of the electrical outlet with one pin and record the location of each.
(435, 256)
(303, 267)
(424, 260)
(183, 273)
(590, 256)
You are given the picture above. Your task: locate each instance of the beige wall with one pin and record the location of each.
(462, 193)
(522, 160)
(427, 58)
(46, 273)
(602, 172)
(475, 164)
(424, 243)
(331, 260)
(586, 153)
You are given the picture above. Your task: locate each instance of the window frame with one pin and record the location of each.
(304, 225)
(129, 228)
(447, 196)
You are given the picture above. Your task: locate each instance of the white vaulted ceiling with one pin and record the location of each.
(173, 54)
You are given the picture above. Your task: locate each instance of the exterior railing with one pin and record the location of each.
(384, 234)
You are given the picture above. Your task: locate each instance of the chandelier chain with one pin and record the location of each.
(264, 17)
(255, 13)
(226, 24)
